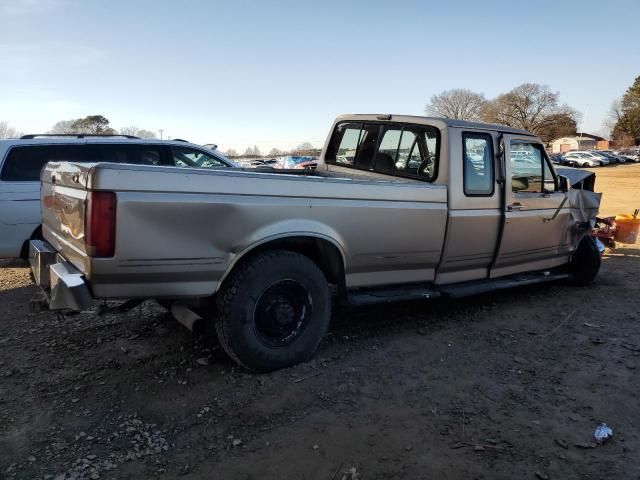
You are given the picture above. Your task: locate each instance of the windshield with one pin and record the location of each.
(191, 157)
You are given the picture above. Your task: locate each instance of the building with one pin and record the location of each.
(582, 141)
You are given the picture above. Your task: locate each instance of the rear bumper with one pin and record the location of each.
(63, 284)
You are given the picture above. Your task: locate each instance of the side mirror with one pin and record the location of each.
(519, 184)
(563, 183)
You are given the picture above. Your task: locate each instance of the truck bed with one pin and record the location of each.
(179, 230)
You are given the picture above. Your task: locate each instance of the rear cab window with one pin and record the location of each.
(400, 150)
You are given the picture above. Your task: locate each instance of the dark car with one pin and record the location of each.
(557, 158)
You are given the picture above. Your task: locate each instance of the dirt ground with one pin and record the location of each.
(501, 386)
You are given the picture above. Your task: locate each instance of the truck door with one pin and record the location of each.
(532, 238)
(475, 215)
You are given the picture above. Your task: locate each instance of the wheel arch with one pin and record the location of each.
(35, 235)
(323, 250)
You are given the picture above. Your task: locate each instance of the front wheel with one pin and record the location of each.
(273, 311)
(585, 264)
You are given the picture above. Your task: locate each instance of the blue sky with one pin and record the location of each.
(276, 73)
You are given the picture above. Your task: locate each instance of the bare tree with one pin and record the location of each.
(530, 106)
(131, 130)
(146, 134)
(305, 148)
(274, 152)
(7, 131)
(459, 104)
(231, 153)
(63, 127)
(137, 132)
(252, 152)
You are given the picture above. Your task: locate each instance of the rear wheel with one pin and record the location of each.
(585, 264)
(584, 165)
(273, 311)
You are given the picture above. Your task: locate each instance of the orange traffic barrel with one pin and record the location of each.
(627, 228)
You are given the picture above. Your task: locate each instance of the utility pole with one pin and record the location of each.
(161, 131)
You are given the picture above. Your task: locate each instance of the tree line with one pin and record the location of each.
(89, 125)
(624, 117)
(538, 109)
(304, 149)
(529, 106)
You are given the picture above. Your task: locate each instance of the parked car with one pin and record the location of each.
(296, 162)
(631, 155)
(264, 162)
(584, 159)
(600, 156)
(557, 158)
(269, 249)
(21, 161)
(613, 158)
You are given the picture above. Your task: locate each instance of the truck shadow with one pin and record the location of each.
(619, 269)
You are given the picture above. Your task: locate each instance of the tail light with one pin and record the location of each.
(100, 224)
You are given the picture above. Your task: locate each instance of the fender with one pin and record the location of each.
(283, 230)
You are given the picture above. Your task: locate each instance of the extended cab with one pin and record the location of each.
(399, 208)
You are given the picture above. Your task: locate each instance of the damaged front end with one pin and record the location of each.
(583, 202)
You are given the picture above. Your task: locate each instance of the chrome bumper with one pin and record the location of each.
(63, 284)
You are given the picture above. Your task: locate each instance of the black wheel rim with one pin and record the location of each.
(282, 313)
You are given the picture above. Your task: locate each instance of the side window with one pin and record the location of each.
(526, 167)
(477, 152)
(190, 157)
(124, 153)
(23, 164)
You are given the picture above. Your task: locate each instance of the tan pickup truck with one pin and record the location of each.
(399, 208)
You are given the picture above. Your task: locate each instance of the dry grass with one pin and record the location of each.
(620, 185)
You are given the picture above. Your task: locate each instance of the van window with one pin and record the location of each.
(392, 149)
(24, 163)
(190, 157)
(124, 153)
(477, 153)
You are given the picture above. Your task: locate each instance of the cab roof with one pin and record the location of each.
(441, 122)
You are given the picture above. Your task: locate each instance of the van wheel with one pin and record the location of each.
(273, 311)
(585, 264)
(36, 235)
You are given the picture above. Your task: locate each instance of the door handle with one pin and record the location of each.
(514, 207)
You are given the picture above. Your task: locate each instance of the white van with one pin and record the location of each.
(22, 159)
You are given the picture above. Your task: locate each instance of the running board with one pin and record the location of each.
(406, 293)
(403, 293)
(483, 286)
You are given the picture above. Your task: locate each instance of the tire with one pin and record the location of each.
(585, 264)
(36, 235)
(584, 165)
(273, 311)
